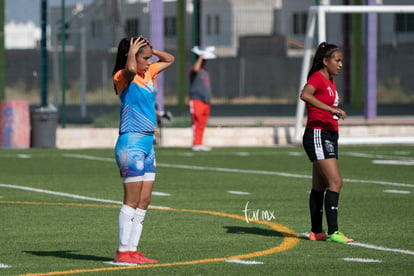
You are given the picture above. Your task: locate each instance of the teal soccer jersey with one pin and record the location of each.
(134, 150)
(137, 112)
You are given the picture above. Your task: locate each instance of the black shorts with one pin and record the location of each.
(320, 144)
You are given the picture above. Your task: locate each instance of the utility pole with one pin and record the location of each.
(181, 54)
(63, 71)
(196, 25)
(346, 49)
(43, 47)
(371, 48)
(157, 40)
(357, 59)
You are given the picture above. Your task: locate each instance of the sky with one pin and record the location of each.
(24, 11)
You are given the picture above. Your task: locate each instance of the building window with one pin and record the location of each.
(217, 25)
(299, 23)
(96, 28)
(132, 27)
(213, 24)
(404, 22)
(208, 25)
(170, 26)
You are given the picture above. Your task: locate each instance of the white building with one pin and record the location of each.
(223, 22)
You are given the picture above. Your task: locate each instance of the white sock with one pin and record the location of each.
(125, 221)
(136, 230)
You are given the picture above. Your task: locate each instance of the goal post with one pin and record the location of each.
(318, 14)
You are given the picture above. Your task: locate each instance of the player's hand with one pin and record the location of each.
(136, 43)
(339, 113)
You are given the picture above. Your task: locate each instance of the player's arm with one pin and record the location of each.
(165, 59)
(307, 95)
(197, 64)
(131, 63)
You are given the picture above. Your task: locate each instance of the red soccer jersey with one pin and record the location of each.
(325, 91)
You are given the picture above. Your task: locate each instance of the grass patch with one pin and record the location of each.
(55, 232)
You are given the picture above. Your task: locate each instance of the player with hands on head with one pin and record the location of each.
(320, 141)
(133, 76)
(200, 96)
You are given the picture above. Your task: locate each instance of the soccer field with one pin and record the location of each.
(231, 211)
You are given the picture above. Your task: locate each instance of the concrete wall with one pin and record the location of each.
(77, 138)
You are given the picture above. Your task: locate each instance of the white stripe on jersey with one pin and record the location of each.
(318, 144)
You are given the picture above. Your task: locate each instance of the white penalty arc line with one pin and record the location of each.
(31, 189)
(200, 168)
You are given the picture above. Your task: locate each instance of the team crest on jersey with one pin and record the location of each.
(329, 147)
(333, 93)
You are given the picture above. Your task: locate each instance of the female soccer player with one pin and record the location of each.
(134, 152)
(320, 141)
(199, 102)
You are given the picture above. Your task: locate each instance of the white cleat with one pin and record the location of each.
(201, 148)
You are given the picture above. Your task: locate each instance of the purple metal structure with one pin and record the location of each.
(157, 40)
(371, 64)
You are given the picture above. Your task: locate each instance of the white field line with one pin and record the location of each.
(370, 246)
(397, 192)
(89, 157)
(31, 189)
(238, 261)
(200, 168)
(238, 193)
(396, 250)
(384, 159)
(394, 162)
(301, 176)
(381, 248)
(361, 260)
(376, 156)
(119, 264)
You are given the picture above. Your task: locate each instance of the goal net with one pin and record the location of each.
(318, 14)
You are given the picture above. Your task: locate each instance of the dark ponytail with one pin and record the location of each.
(122, 54)
(325, 50)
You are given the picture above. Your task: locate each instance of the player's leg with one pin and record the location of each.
(329, 169)
(196, 108)
(204, 115)
(141, 210)
(139, 215)
(130, 159)
(316, 198)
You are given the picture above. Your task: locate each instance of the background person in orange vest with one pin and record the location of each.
(200, 97)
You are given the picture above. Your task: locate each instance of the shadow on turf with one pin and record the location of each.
(69, 254)
(256, 231)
